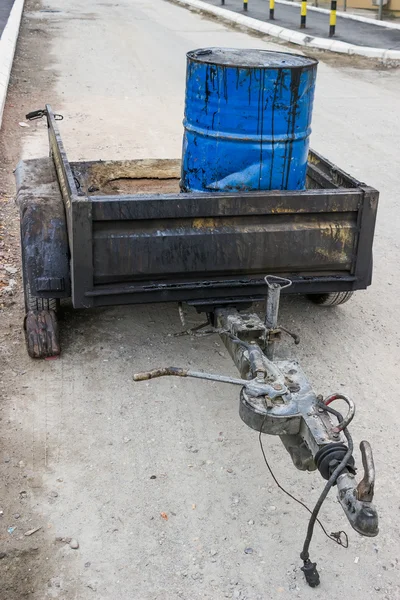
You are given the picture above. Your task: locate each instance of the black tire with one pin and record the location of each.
(39, 304)
(330, 299)
(34, 302)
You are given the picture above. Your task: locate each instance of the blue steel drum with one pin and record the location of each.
(247, 120)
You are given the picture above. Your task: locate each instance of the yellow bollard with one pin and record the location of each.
(303, 14)
(271, 9)
(332, 18)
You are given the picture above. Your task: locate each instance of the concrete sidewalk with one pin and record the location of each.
(347, 30)
(10, 18)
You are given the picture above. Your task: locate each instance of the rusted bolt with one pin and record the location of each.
(277, 386)
(278, 401)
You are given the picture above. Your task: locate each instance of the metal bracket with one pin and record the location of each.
(254, 387)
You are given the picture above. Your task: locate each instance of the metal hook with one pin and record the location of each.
(365, 489)
(273, 282)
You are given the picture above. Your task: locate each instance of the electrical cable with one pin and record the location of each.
(329, 484)
(309, 568)
(334, 536)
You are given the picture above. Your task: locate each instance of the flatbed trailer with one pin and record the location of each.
(120, 232)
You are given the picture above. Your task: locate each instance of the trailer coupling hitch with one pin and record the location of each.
(356, 500)
(276, 398)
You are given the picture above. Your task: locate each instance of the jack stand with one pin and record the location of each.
(277, 399)
(274, 287)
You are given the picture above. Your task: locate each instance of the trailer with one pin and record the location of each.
(106, 233)
(121, 232)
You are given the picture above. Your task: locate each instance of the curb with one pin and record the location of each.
(343, 15)
(288, 35)
(8, 42)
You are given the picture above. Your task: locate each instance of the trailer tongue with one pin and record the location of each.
(276, 398)
(249, 198)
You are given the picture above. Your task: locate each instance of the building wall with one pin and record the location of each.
(392, 6)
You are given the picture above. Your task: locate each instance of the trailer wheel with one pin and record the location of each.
(36, 303)
(41, 325)
(41, 332)
(330, 299)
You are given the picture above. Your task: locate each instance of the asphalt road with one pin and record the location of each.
(80, 442)
(352, 32)
(5, 9)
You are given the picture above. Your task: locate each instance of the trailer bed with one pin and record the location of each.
(133, 237)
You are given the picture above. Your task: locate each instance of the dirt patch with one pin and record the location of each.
(26, 561)
(349, 61)
(127, 177)
(142, 186)
(29, 88)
